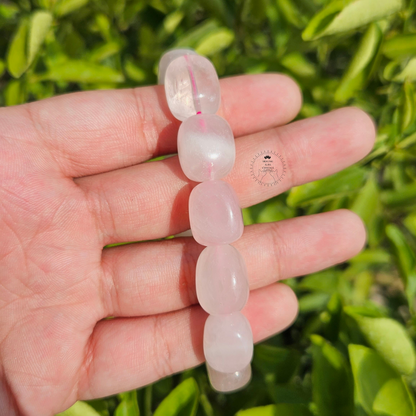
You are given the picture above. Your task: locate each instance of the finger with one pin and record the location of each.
(97, 131)
(127, 353)
(137, 283)
(151, 200)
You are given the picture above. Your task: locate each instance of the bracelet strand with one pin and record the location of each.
(206, 151)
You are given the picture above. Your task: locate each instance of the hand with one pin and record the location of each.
(72, 181)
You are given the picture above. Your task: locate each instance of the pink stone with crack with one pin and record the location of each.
(167, 58)
(192, 86)
(206, 147)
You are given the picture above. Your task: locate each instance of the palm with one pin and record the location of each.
(50, 272)
(56, 282)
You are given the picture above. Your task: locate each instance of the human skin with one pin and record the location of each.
(72, 180)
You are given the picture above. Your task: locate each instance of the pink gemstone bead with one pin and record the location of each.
(167, 58)
(221, 280)
(192, 86)
(206, 147)
(228, 342)
(226, 382)
(215, 214)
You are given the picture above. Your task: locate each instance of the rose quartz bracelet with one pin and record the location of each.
(206, 151)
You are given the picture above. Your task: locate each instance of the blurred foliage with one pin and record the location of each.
(351, 350)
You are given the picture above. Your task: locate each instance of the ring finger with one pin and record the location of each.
(136, 282)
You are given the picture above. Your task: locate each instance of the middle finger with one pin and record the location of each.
(150, 200)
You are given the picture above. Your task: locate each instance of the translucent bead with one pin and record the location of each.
(227, 382)
(228, 342)
(192, 86)
(221, 280)
(206, 147)
(215, 214)
(167, 58)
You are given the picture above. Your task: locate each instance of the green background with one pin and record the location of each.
(351, 350)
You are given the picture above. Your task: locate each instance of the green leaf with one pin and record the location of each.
(289, 395)
(282, 362)
(195, 35)
(299, 65)
(410, 223)
(128, 405)
(409, 72)
(339, 184)
(218, 9)
(276, 410)
(313, 302)
(269, 213)
(332, 387)
(366, 202)
(318, 25)
(133, 71)
(401, 197)
(104, 51)
(172, 21)
(82, 71)
(408, 106)
(215, 42)
(400, 46)
(291, 13)
(8, 11)
(253, 11)
(310, 110)
(325, 281)
(45, 4)
(271, 210)
(64, 7)
(182, 401)
(101, 405)
(371, 311)
(332, 318)
(366, 51)
(162, 387)
(406, 260)
(372, 256)
(247, 216)
(360, 66)
(390, 340)
(103, 24)
(15, 92)
(380, 390)
(344, 15)
(408, 141)
(362, 285)
(16, 56)
(2, 67)
(27, 42)
(40, 22)
(79, 409)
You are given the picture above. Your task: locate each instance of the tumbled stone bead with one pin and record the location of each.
(227, 382)
(167, 58)
(228, 342)
(215, 214)
(206, 147)
(221, 280)
(192, 86)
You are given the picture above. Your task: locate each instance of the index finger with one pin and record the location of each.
(97, 131)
